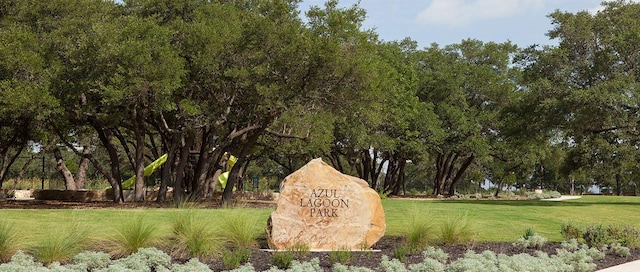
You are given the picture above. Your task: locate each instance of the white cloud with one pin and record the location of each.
(463, 12)
(601, 8)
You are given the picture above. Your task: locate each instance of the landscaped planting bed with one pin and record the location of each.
(400, 250)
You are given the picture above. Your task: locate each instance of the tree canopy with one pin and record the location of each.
(120, 84)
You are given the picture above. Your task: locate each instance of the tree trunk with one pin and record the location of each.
(395, 170)
(114, 177)
(69, 182)
(618, 184)
(444, 171)
(498, 188)
(202, 169)
(213, 183)
(365, 168)
(178, 188)
(372, 168)
(572, 182)
(140, 133)
(459, 174)
(83, 168)
(334, 157)
(6, 161)
(235, 174)
(22, 170)
(166, 173)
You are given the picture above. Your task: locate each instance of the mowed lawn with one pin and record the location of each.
(507, 220)
(494, 220)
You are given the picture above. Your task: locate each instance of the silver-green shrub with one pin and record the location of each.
(428, 265)
(393, 265)
(533, 241)
(620, 250)
(21, 262)
(570, 245)
(311, 266)
(145, 259)
(436, 253)
(195, 265)
(93, 260)
(338, 267)
(474, 262)
(57, 267)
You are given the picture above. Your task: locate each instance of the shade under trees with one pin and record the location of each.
(112, 86)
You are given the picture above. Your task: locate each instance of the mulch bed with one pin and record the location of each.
(262, 260)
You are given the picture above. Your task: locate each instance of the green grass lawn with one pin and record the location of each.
(506, 220)
(494, 220)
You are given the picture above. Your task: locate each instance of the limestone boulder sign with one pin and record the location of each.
(325, 210)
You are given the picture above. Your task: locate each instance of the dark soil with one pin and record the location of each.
(261, 259)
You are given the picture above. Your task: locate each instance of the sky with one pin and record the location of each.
(523, 22)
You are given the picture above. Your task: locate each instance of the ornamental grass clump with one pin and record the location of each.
(457, 230)
(191, 237)
(232, 259)
(282, 259)
(300, 249)
(239, 229)
(419, 232)
(8, 241)
(342, 256)
(130, 237)
(60, 246)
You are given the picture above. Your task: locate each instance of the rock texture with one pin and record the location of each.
(325, 210)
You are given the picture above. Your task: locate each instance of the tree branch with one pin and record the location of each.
(282, 135)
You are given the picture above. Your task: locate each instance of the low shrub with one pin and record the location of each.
(337, 267)
(151, 259)
(620, 250)
(570, 231)
(393, 265)
(192, 265)
(543, 195)
(531, 239)
(436, 254)
(145, 259)
(570, 245)
(627, 236)
(595, 236)
(93, 260)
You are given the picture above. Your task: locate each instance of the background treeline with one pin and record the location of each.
(100, 89)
